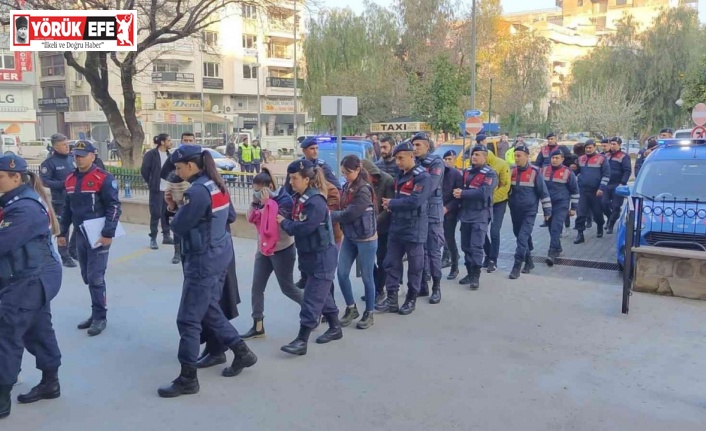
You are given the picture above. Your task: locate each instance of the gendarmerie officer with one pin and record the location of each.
(479, 183)
(408, 231)
(30, 277)
(91, 193)
(434, 165)
(593, 174)
(318, 256)
(453, 179)
(207, 250)
(564, 193)
(53, 172)
(620, 171)
(310, 148)
(544, 156)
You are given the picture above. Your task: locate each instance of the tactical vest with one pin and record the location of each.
(322, 238)
(256, 154)
(435, 197)
(364, 226)
(211, 230)
(475, 182)
(405, 189)
(246, 153)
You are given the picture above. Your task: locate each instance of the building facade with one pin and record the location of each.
(18, 111)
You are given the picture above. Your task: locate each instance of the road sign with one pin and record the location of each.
(472, 113)
(698, 132)
(698, 114)
(474, 125)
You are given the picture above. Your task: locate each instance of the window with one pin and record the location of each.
(165, 67)
(580, 3)
(211, 70)
(7, 59)
(249, 41)
(79, 77)
(280, 51)
(620, 2)
(249, 11)
(53, 92)
(210, 38)
(281, 73)
(80, 103)
(249, 71)
(52, 65)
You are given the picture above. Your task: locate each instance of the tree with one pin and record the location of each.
(438, 100)
(695, 85)
(160, 22)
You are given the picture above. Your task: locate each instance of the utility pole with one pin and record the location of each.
(490, 103)
(473, 56)
(295, 73)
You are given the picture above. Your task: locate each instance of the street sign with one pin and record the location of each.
(698, 114)
(474, 125)
(472, 113)
(349, 106)
(698, 132)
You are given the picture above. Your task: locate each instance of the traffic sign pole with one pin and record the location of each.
(698, 114)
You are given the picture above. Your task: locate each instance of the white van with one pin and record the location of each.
(9, 144)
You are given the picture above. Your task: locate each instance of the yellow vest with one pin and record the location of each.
(256, 151)
(510, 156)
(246, 153)
(502, 168)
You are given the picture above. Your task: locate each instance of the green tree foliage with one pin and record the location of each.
(695, 84)
(438, 101)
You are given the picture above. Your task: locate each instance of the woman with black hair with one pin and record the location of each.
(311, 227)
(357, 217)
(207, 250)
(152, 164)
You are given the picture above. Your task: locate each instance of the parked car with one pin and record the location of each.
(9, 144)
(671, 185)
(227, 167)
(328, 151)
(682, 134)
(631, 147)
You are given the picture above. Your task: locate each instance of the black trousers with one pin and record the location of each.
(450, 225)
(158, 215)
(379, 273)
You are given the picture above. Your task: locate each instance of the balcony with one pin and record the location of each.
(173, 78)
(180, 50)
(281, 28)
(280, 56)
(282, 86)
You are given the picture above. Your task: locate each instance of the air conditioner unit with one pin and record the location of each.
(78, 83)
(228, 109)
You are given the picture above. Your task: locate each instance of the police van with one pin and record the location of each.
(10, 144)
(328, 150)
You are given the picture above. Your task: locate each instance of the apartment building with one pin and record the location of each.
(18, 114)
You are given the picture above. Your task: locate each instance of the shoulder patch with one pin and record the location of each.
(114, 184)
(185, 199)
(44, 169)
(417, 170)
(5, 224)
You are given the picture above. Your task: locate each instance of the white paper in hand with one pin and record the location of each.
(93, 228)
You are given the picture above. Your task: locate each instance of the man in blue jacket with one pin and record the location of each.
(620, 171)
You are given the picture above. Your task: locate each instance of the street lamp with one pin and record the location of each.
(259, 107)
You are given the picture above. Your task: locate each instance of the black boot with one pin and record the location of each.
(435, 292)
(302, 282)
(454, 271)
(529, 264)
(599, 231)
(47, 389)
(467, 279)
(475, 278)
(177, 254)
(391, 304)
(515, 273)
(608, 229)
(380, 297)
(153, 244)
(85, 324)
(5, 401)
(207, 359)
(424, 288)
(68, 262)
(243, 358)
(445, 259)
(298, 346)
(551, 256)
(486, 262)
(589, 223)
(492, 267)
(97, 327)
(579, 238)
(334, 331)
(410, 304)
(167, 239)
(186, 384)
(257, 330)
(350, 315)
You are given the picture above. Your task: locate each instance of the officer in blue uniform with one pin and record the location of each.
(643, 153)
(312, 230)
(91, 193)
(564, 193)
(453, 179)
(479, 183)
(434, 165)
(310, 148)
(544, 157)
(53, 172)
(593, 171)
(527, 191)
(620, 171)
(30, 277)
(408, 231)
(207, 250)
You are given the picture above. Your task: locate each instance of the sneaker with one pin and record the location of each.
(366, 322)
(153, 244)
(68, 262)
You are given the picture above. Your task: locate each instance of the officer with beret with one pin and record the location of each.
(91, 193)
(201, 224)
(605, 146)
(409, 230)
(453, 179)
(476, 196)
(564, 193)
(434, 165)
(620, 171)
(643, 153)
(53, 172)
(544, 156)
(593, 171)
(528, 190)
(310, 148)
(312, 230)
(30, 277)
(666, 133)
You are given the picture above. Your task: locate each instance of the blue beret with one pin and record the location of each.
(589, 142)
(299, 165)
(13, 163)
(556, 152)
(84, 148)
(308, 142)
(667, 130)
(479, 148)
(185, 153)
(604, 141)
(522, 147)
(404, 146)
(480, 138)
(616, 139)
(420, 137)
(551, 135)
(450, 153)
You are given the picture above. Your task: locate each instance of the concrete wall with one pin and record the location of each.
(683, 274)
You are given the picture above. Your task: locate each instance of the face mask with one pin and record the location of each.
(257, 195)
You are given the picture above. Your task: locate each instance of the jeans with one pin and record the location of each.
(282, 264)
(365, 252)
(492, 245)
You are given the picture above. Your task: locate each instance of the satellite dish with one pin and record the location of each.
(215, 109)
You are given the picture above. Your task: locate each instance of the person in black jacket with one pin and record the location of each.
(453, 179)
(152, 164)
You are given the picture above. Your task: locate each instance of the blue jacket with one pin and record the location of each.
(53, 172)
(479, 184)
(357, 215)
(620, 168)
(640, 160)
(528, 190)
(202, 223)
(544, 157)
(562, 186)
(593, 172)
(328, 173)
(91, 195)
(435, 167)
(453, 179)
(409, 207)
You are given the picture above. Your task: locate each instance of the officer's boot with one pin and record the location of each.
(529, 264)
(410, 303)
(579, 238)
(5, 401)
(47, 389)
(208, 359)
(445, 259)
(551, 256)
(492, 267)
(334, 331)
(186, 384)
(435, 292)
(153, 243)
(177, 253)
(467, 279)
(298, 346)
(167, 239)
(454, 271)
(599, 229)
(68, 262)
(380, 297)
(515, 273)
(243, 358)
(609, 228)
(475, 277)
(424, 288)
(589, 223)
(350, 315)
(391, 304)
(257, 330)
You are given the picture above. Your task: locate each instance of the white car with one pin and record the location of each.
(10, 144)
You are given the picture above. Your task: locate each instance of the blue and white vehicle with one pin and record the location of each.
(671, 196)
(328, 150)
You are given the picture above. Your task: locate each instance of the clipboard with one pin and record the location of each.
(92, 230)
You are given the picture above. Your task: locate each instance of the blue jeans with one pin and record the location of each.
(365, 252)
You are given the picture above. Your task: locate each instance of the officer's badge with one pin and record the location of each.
(114, 184)
(489, 181)
(302, 217)
(12, 164)
(186, 200)
(90, 184)
(80, 146)
(418, 188)
(301, 165)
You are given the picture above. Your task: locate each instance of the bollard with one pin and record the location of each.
(128, 192)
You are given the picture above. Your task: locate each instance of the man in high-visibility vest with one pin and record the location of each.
(245, 153)
(256, 155)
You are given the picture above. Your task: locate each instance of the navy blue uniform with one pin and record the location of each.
(593, 175)
(479, 184)
(30, 277)
(544, 157)
(453, 179)
(91, 195)
(564, 193)
(640, 160)
(53, 172)
(409, 229)
(207, 250)
(620, 170)
(318, 256)
(328, 174)
(434, 165)
(527, 191)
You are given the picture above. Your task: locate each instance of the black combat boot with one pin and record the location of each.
(410, 303)
(350, 315)
(334, 331)
(599, 231)
(208, 359)
(97, 327)
(68, 262)
(608, 229)
(424, 288)
(243, 358)
(177, 254)
(475, 277)
(380, 297)
(85, 324)
(445, 259)
(47, 389)
(167, 239)
(298, 346)
(515, 273)
(153, 244)
(391, 304)
(579, 238)
(186, 384)
(5, 401)
(467, 279)
(529, 264)
(435, 292)
(551, 256)
(257, 330)
(454, 271)
(589, 223)
(492, 267)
